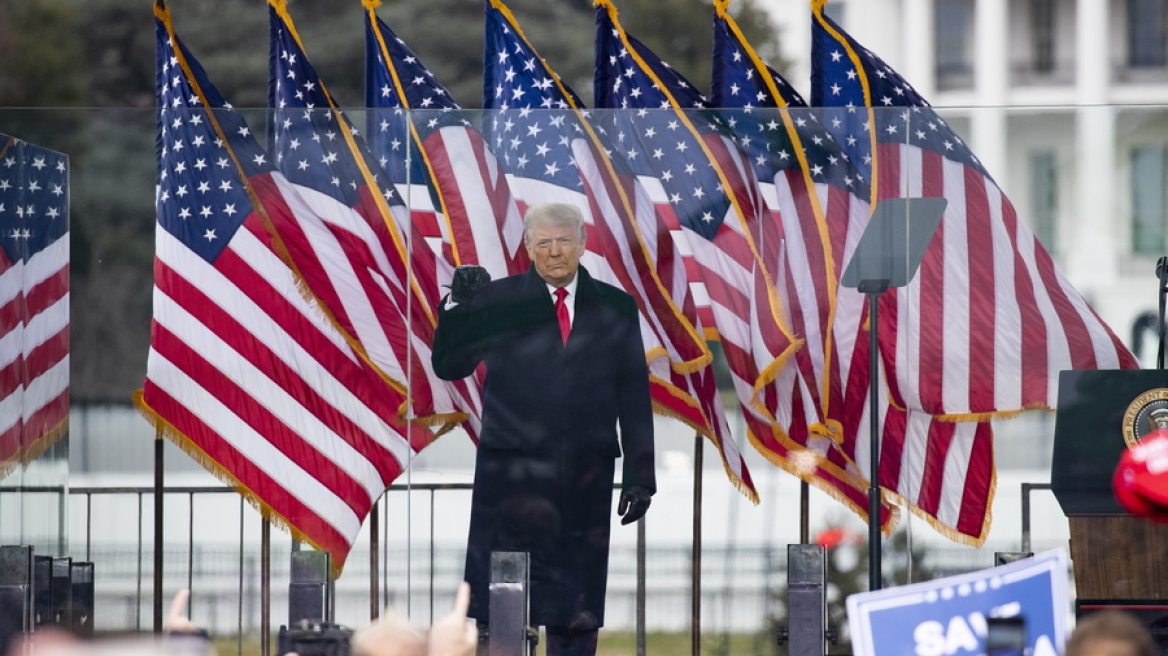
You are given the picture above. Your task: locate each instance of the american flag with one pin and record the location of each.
(243, 372)
(816, 196)
(483, 224)
(822, 201)
(811, 193)
(551, 152)
(365, 223)
(989, 320)
(34, 300)
(667, 136)
(399, 153)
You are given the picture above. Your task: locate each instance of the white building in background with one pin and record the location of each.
(1066, 104)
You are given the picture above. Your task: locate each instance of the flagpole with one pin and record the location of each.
(804, 512)
(374, 527)
(641, 587)
(158, 514)
(265, 587)
(696, 560)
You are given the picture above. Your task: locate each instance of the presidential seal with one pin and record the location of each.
(1148, 412)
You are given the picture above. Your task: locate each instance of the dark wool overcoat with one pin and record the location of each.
(544, 469)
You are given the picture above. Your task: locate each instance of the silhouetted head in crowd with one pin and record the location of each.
(1110, 633)
(392, 635)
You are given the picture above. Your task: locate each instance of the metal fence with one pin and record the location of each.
(741, 584)
(738, 581)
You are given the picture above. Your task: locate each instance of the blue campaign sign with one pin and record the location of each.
(948, 617)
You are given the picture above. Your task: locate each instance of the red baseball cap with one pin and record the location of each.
(1140, 482)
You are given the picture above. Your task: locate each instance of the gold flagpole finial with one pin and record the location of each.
(607, 4)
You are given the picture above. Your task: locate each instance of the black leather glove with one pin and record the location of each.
(468, 280)
(633, 503)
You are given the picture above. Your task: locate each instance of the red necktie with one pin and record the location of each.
(562, 313)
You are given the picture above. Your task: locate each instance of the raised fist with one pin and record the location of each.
(468, 280)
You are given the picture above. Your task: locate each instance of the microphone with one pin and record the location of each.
(1161, 264)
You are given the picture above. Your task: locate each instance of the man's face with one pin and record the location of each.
(556, 251)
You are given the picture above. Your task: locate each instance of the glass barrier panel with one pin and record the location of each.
(282, 300)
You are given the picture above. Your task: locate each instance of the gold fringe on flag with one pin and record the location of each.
(175, 436)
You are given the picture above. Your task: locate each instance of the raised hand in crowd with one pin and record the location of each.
(453, 635)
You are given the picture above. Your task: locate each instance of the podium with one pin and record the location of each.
(1118, 559)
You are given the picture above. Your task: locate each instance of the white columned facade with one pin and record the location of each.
(1092, 261)
(920, 53)
(991, 80)
(876, 25)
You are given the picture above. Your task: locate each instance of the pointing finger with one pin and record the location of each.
(462, 599)
(179, 605)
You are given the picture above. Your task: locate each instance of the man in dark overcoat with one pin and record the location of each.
(564, 369)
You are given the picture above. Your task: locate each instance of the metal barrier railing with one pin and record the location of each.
(380, 561)
(1026, 489)
(379, 590)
